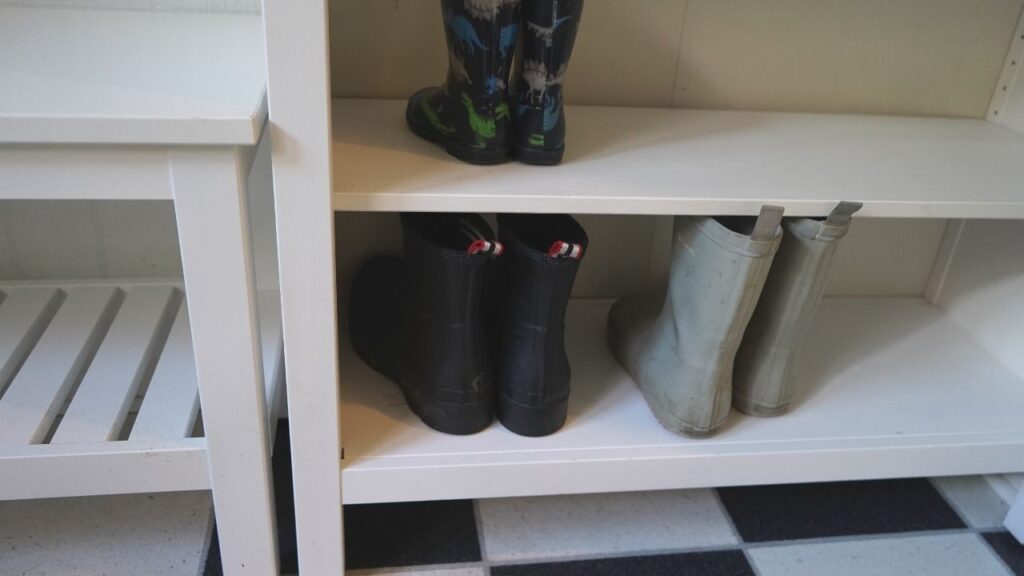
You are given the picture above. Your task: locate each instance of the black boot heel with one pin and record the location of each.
(455, 418)
(536, 157)
(528, 420)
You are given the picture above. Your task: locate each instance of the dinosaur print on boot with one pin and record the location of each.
(486, 9)
(495, 85)
(463, 30)
(547, 33)
(469, 114)
(457, 68)
(484, 127)
(507, 39)
(538, 81)
(434, 120)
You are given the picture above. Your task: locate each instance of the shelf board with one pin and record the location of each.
(98, 382)
(889, 388)
(669, 161)
(135, 77)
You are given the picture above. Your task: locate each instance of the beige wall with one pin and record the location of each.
(922, 57)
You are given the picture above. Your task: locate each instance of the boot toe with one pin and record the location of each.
(413, 107)
(416, 116)
(372, 316)
(429, 125)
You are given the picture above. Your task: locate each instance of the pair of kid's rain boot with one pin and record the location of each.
(475, 115)
(469, 324)
(741, 295)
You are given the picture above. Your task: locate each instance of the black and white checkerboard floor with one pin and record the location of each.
(937, 527)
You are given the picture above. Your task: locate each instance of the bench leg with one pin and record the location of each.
(213, 230)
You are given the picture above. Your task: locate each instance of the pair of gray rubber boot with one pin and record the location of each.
(741, 295)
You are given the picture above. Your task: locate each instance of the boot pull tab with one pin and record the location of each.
(486, 247)
(565, 250)
(479, 244)
(842, 213)
(767, 223)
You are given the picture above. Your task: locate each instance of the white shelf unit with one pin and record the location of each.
(891, 386)
(670, 161)
(937, 403)
(98, 383)
(103, 377)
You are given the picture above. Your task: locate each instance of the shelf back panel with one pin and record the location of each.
(879, 257)
(913, 57)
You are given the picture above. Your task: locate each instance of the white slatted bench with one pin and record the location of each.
(101, 385)
(104, 389)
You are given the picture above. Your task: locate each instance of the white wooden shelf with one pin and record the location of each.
(891, 387)
(111, 77)
(668, 161)
(98, 382)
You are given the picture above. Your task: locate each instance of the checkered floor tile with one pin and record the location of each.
(909, 527)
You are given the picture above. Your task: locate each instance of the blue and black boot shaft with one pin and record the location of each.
(470, 114)
(419, 320)
(548, 34)
(531, 288)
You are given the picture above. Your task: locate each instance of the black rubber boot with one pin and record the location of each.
(533, 282)
(418, 320)
(469, 115)
(549, 31)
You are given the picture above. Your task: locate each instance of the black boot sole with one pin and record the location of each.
(535, 157)
(450, 418)
(532, 420)
(467, 154)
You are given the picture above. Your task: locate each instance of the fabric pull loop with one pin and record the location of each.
(842, 213)
(767, 224)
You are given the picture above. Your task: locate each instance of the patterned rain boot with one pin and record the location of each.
(532, 286)
(469, 115)
(549, 31)
(419, 321)
(762, 382)
(680, 348)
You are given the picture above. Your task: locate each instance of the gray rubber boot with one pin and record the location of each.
(680, 347)
(763, 383)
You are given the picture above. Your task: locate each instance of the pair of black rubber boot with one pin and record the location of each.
(469, 324)
(474, 115)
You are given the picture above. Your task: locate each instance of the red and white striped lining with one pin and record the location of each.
(566, 250)
(486, 247)
(479, 244)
